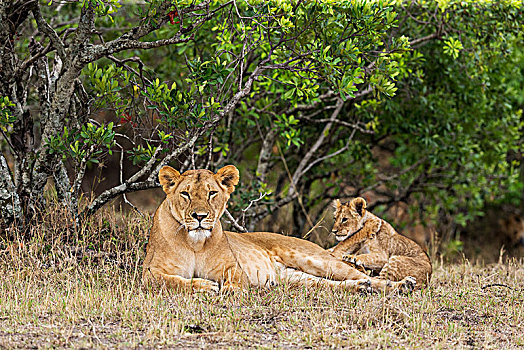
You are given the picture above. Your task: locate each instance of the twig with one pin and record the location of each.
(251, 202)
(234, 222)
(124, 196)
(498, 285)
(45, 28)
(299, 198)
(423, 39)
(210, 149)
(300, 170)
(317, 225)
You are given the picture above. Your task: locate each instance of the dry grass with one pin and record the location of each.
(57, 294)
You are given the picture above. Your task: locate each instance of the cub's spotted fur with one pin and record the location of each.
(369, 242)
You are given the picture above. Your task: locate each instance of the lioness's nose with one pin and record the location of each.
(199, 216)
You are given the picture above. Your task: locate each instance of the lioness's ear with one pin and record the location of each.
(336, 204)
(358, 206)
(168, 177)
(228, 177)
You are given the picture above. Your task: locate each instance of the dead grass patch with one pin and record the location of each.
(86, 292)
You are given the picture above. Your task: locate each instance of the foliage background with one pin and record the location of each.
(410, 102)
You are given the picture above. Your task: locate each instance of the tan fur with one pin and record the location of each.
(188, 249)
(372, 243)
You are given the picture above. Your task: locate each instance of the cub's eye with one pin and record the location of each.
(212, 194)
(344, 220)
(184, 194)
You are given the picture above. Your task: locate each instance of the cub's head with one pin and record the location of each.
(349, 218)
(198, 198)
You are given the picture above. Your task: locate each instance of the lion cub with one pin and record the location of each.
(370, 242)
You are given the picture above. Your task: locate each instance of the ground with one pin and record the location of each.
(56, 295)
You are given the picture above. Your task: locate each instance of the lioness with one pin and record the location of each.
(370, 242)
(188, 250)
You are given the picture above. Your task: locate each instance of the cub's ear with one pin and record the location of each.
(358, 206)
(336, 204)
(168, 177)
(228, 177)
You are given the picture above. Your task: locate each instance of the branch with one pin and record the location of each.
(394, 176)
(29, 62)
(424, 39)
(176, 153)
(82, 169)
(108, 195)
(102, 50)
(122, 63)
(63, 189)
(131, 184)
(340, 122)
(265, 154)
(498, 285)
(130, 40)
(243, 92)
(149, 165)
(321, 98)
(10, 206)
(331, 155)
(45, 28)
(86, 25)
(151, 182)
(301, 169)
(280, 203)
(303, 166)
(251, 202)
(403, 195)
(42, 83)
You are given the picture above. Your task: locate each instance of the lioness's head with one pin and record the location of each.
(198, 198)
(349, 218)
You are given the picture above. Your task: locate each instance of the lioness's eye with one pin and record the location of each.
(184, 194)
(344, 220)
(212, 194)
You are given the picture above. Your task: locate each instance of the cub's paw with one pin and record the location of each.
(203, 285)
(349, 258)
(408, 285)
(355, 263)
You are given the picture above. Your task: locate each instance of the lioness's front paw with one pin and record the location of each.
(230, 288)
(203, 285)
(364, 286)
